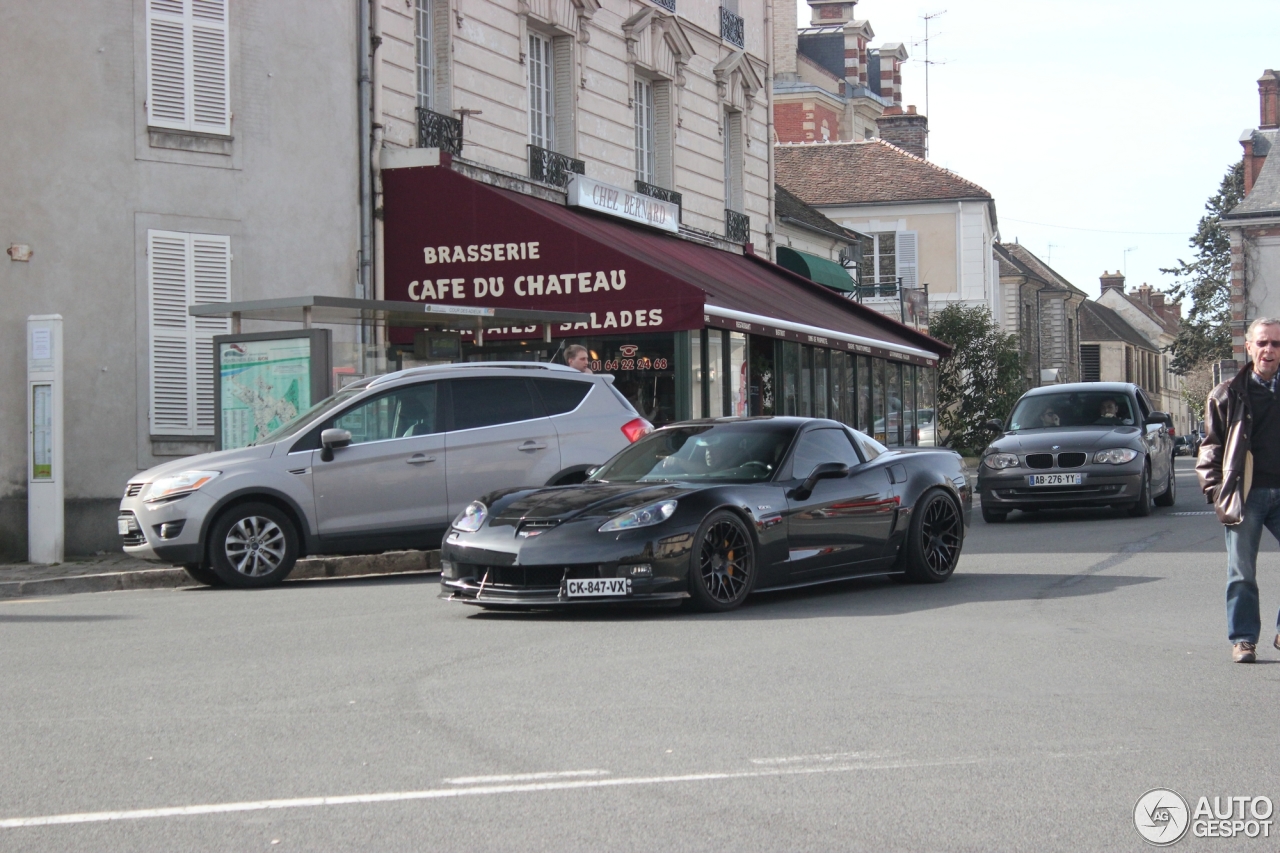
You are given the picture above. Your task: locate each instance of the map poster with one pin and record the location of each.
(265, 381)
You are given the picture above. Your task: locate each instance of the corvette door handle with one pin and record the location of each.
(532, 445)
(420, 459)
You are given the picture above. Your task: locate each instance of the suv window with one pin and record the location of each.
(400, 413)
(561, 395)
(822, 445)
(491, 400)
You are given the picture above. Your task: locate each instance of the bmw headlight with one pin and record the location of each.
(1000, 461)
(471, 518)
(1115, 456)
(177, 485)
(645, 516)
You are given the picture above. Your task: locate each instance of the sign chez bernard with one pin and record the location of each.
(623, 203)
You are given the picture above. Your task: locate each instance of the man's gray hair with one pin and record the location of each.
(572, 350)
(1261, 321)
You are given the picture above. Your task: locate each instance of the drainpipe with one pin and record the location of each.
(364, 277)
(375, 21)
(768, 132)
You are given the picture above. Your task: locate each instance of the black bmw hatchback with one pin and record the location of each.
(1083, 444)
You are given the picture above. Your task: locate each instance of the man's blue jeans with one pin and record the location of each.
(1262, 509)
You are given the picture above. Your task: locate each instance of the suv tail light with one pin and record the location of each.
(636, 429)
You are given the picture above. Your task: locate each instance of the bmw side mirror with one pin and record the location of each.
(823, 471)
(331, 439)
(995, 425)
(1161, 418)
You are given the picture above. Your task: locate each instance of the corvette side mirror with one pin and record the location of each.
(823, 471)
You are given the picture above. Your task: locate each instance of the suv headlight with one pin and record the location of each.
(645, 516)
(176, 485)
(999, 461)
(471, 518)
(1115, 456)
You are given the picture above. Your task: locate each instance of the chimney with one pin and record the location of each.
(785, 40)
(1269, 100)
(824, 12)
(857, 35)
(1112, 281)
(909, 131)
(892, 56)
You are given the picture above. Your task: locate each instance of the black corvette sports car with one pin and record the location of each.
(709, 511)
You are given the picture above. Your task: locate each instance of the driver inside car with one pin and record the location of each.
(1108, 411)
(1049, 418)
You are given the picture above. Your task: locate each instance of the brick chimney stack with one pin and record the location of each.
(1269, 100)
(908, 130)
(892, 57)
(786, 44)
(1112, 281)
(824, 12)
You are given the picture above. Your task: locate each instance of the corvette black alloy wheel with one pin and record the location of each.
(723, 565)
(934, 539)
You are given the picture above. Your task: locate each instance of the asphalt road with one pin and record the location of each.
(1075, 661)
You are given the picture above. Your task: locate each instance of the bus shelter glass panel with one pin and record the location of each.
(877, 401)
(739, 374)
(894, 371)
(864, 394)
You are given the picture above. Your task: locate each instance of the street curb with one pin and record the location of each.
(311, 568)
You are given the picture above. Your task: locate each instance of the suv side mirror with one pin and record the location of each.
(823, 471)
(995, 425)
(331, 439)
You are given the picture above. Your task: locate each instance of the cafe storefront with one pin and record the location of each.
(686, 330)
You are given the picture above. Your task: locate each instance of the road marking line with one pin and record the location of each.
(1202, 512)
(490, 790)
(523, 777)
(800, 759)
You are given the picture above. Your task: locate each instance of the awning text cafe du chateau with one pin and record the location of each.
(687, 330)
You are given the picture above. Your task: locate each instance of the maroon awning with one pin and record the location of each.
(627, 277)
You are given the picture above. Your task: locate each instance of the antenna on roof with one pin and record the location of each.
(1049, 258)
(1126, 259)
(928, 62)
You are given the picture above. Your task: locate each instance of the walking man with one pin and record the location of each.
(1239, 470)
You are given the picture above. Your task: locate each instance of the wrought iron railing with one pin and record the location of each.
(870, 287)
(669, 5)
(737, 226)
(731, 28)
(655, 191)
(553, 168)
(436, 130)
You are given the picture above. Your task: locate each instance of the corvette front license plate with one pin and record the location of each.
(1055, 479)
(605, 586)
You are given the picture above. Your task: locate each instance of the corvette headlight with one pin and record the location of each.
(645, 516)
(176, 485)
(1000, 461)
(471, 518)
(1115, 456)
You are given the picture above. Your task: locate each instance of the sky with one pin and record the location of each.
(1101, 127)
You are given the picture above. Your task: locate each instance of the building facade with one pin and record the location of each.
(160, 153)
(1043, 309)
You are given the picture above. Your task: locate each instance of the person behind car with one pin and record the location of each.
(577, 357)
(1239, 471)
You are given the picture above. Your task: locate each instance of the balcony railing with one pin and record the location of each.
(669, 5)
(871, 287)
(737, 226)
(553, 168)
(436, 130)
(731, 28)
(655, 191)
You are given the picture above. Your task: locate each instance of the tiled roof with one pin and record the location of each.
(1100, 323)
(787, 205)
(1026, 262)
(873, 172)
(1264, 198)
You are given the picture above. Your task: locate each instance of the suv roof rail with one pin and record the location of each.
(472, 365)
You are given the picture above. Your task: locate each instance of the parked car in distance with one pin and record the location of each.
(1183, 446)
(383, 464)
(708, 511)
(1082, 444)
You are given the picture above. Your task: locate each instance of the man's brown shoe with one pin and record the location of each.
(1244, 652)
(1277, 642)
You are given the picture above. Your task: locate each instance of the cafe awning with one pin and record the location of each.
(821, 270)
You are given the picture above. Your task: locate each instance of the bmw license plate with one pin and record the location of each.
(1055, 479)
(592, 588)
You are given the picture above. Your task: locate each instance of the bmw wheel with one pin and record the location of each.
(1170, 496)
(1143, 506)
(934, 539)
(253, 545)
(722, 566)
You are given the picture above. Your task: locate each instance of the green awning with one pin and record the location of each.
(815, 268)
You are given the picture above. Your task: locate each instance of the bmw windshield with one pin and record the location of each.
(1073, 409)
(734, 452)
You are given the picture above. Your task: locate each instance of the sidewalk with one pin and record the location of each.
(113, 572)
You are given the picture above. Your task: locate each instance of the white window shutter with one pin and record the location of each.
(907, 258)
(566, 139)
(167, 52)
(210, 85)
(182, 270)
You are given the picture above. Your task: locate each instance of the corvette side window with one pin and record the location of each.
(822, 445)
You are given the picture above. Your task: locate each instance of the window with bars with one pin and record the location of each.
(188, 66)
(542, 114)
(184, 270)
(646, 138)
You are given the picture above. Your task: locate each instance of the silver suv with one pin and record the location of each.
(385, 463)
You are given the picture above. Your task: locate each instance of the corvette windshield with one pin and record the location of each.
(736, 452)
(1072, 409)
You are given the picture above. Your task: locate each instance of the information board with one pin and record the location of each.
(266, 380)
(42, 432)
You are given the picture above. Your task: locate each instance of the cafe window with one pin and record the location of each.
(806, 382)
(926, 413)
(643, 370)
(821, 383)
(894, 399)
(790, 375)
(841, 386)
(760, 373)
(739, 378)
(864, 394)
(877, 401)
(909, 404)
